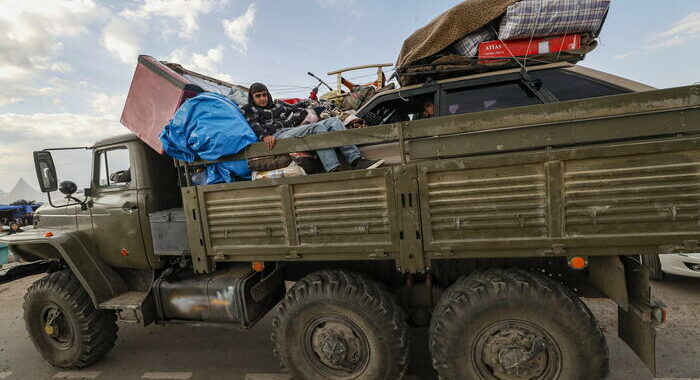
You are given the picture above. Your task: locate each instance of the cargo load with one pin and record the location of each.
(450, 45)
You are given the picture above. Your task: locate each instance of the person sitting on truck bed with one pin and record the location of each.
(272, 120)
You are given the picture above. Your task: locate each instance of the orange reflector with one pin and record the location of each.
(578, 262)
(258, 266)
(48, 234)
(124, 252)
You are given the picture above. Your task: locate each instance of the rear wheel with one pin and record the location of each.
(509, 324)
(338, 325)
(64, 325)
(653, 263)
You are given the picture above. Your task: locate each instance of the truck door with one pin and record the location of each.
(114, 209)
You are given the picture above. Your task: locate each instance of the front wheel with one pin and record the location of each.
(64, 325)
(335, 325)
(509, 324)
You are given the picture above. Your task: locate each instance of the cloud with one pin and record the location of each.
(185, 11)
(206, 64)
(683, 32)
(689, 26)
(122, 38)
(6, 100)
(33, 132)
(32, 32)
(123, 34)
(348, 6)
(108, 105)
(237, 28)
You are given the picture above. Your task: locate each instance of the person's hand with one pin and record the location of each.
(270, 141)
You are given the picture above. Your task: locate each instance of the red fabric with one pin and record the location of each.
(292, 100)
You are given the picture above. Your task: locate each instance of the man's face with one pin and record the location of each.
(260, 98)
(429, 109)
(14, 226)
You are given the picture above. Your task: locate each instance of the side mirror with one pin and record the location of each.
(45, 171)
(68, 187)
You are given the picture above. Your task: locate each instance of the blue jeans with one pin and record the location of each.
(327, 156)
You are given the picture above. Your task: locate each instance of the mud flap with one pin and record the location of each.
(24, 270)
(636, 326)
(626, 281)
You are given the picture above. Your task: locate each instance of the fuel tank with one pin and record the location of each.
(236, 295)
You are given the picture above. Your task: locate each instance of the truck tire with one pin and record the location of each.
(339, 325)
(653, 263)
(64, 325)
(512, 324)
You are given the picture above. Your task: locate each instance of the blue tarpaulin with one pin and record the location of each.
(208, 127)
(14, 212)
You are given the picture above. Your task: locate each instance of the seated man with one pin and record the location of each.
(272, 120)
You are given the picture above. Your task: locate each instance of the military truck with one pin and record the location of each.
(486, 226)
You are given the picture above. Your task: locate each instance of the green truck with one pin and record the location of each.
(525, 192)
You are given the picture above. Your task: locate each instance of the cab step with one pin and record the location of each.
(128, 306)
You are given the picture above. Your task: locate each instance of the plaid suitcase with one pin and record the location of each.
(540, 18)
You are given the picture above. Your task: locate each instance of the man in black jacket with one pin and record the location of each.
(272, 120)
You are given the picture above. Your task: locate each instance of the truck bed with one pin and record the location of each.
(633, 190)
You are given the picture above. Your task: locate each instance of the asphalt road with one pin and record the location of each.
(180, 352)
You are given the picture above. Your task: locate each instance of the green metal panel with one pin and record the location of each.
(336, 216)
(601, 200)
(192, 208)
(647, 193)
(408, 202)
(99, 280)
(565, 113)
(570, 132)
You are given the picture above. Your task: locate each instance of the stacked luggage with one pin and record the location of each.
(482, 35)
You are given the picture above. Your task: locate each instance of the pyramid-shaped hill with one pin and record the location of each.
(22, 190)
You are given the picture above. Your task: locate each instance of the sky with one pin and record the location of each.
(66, 66)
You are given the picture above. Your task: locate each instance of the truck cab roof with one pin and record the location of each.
(116, 140)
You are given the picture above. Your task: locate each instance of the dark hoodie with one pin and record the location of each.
(276, 115)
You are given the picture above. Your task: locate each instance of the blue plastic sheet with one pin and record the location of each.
(208, 127)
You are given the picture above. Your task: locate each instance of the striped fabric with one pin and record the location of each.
(469, 45)
(540, 18)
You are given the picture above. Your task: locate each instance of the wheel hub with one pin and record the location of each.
(337, 347)
(334, 349)
(50, 329)
(56, 327)
(517, 351)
